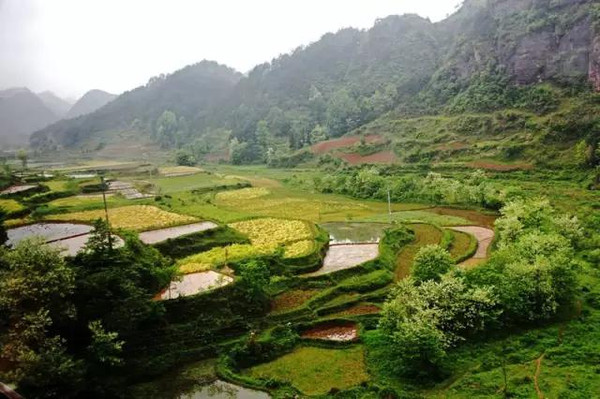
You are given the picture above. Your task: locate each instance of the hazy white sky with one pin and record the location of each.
(70, 46)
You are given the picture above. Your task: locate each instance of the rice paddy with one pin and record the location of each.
(10, 206)
(425, 234)
(135, 217)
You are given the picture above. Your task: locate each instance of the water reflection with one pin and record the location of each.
(224, 390)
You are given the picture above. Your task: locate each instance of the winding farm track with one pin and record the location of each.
(484, 237)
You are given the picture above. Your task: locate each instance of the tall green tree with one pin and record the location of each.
(36, 287)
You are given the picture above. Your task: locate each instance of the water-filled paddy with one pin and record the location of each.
(224, 390)
(48, 231)
(351, 233)
(340, 257)
(17, 189)
(191, 284)
(155, 236)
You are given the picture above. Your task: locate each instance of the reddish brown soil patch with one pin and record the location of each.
(379, 157)
(478, 218)
(332, 332)
(498, 166)
(343, 142)
(358, 310)
(291, 299)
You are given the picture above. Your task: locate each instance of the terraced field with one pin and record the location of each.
(425, 234)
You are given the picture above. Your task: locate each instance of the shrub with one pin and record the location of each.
(430, 263)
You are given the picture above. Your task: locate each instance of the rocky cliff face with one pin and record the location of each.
(531, 40)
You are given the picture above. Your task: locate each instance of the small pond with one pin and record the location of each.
(224, 390)
(191, 284)
(48, 231)
(351, 233)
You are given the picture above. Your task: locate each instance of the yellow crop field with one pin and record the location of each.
(266, 236)
(135, 217)
(10, 205)
(219, 256)
(237, 197)
(271, 233)
(299, 248)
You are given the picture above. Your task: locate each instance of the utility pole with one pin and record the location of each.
(103, 184)
(389, 205)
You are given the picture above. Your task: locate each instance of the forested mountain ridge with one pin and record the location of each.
(532, 56)
(191, 93)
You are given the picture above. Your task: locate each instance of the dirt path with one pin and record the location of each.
(538, 369)
(484, 237)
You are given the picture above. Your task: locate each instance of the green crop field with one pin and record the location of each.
(315, 371)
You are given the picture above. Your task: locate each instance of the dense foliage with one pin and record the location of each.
(528, 279)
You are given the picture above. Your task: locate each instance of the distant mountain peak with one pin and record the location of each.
(90, 102)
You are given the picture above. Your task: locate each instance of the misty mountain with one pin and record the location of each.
(57, 105)
(192, 93)
(89, 102)
(21, 113)
(490, 55)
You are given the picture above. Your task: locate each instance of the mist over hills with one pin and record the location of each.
(22, 112)
(89, 102)
(538, 58)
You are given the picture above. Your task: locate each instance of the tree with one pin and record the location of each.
(318, 134)
(422, 321)
(342, 113)
(167, 129)
(254, 278)
(22, 156)
(430, 263)
(116, 286)
(36, 287)
(184, 158)
(3, 234)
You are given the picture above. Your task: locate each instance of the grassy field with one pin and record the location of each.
(461, 242)
(315, 371)
(169, 185)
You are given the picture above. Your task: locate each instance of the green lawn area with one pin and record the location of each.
(315, 371)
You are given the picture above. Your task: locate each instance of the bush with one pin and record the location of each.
(430, 263)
